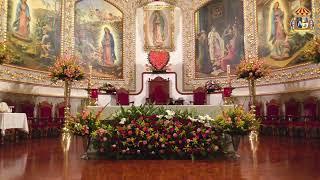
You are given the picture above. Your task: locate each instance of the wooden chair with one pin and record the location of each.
(28, 108)
(44, 115)
(293, 120)
(122, 97)
(200, 96)
(57, 122)
(159, 91)
(310, 115)
(272, 118)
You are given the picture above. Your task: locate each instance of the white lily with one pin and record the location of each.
(170, 113)
(160, 116)
(122, 121)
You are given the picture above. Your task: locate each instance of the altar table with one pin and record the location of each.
(210, 110)
(13, 121)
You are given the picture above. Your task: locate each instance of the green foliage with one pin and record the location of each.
(237, 121)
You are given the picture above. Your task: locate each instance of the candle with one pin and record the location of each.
(228, 74)
(90, 69)
(228, 70)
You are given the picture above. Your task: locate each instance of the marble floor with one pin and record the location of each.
(273, 158)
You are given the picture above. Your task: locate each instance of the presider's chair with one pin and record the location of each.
(159, 91)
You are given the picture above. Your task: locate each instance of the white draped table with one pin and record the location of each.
(13, 121)
(210, 110)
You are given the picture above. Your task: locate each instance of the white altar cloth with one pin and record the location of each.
(210, 110)
(13, 120)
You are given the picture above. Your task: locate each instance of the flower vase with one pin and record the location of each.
(86, 144)
(235, 140)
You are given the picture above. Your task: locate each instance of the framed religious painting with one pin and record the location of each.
(33, 32)
(158, 27)
(219, 37)
(99, 37)
(285, 30)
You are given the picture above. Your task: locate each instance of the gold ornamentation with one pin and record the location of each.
(188, 9)
(24, 75)
(290, 74)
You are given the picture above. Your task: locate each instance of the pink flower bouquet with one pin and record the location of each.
(66, 68)
(254, 69)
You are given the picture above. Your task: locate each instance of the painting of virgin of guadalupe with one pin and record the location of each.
(158, 27)
(21, 24)
(33, 32)
(279, 44)
(219, 37)
(98, 37)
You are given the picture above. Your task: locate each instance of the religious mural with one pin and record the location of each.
(285, 28)
(33, 32)
(219, 37)
(158, 27)
(99, 37)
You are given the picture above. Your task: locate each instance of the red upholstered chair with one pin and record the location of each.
(44, 116)
(310, 115)
(122, 97)
(57, 122)
(272, 118)
(293, 118)
(159, 91)
(28, 108)
(200, 96)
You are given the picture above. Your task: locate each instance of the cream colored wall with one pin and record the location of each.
(19, 92)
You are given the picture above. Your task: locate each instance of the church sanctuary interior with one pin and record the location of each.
(160, 89)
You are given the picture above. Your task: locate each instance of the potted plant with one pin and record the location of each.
(83, 125)
(236, 122)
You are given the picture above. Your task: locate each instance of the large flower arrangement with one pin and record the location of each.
(84, 123)
(148, 132)
(6, 54)
(252, 69)
(237, 121)
(66, 68)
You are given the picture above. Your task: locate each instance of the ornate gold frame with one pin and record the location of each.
(283, 75)
(171, 29)
(188, 9)
(24, 75)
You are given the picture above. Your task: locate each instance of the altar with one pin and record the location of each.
(210, 110)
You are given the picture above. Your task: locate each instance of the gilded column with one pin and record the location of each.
(250, 29)
(67, 27)
(316, 16)
(3, 19)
